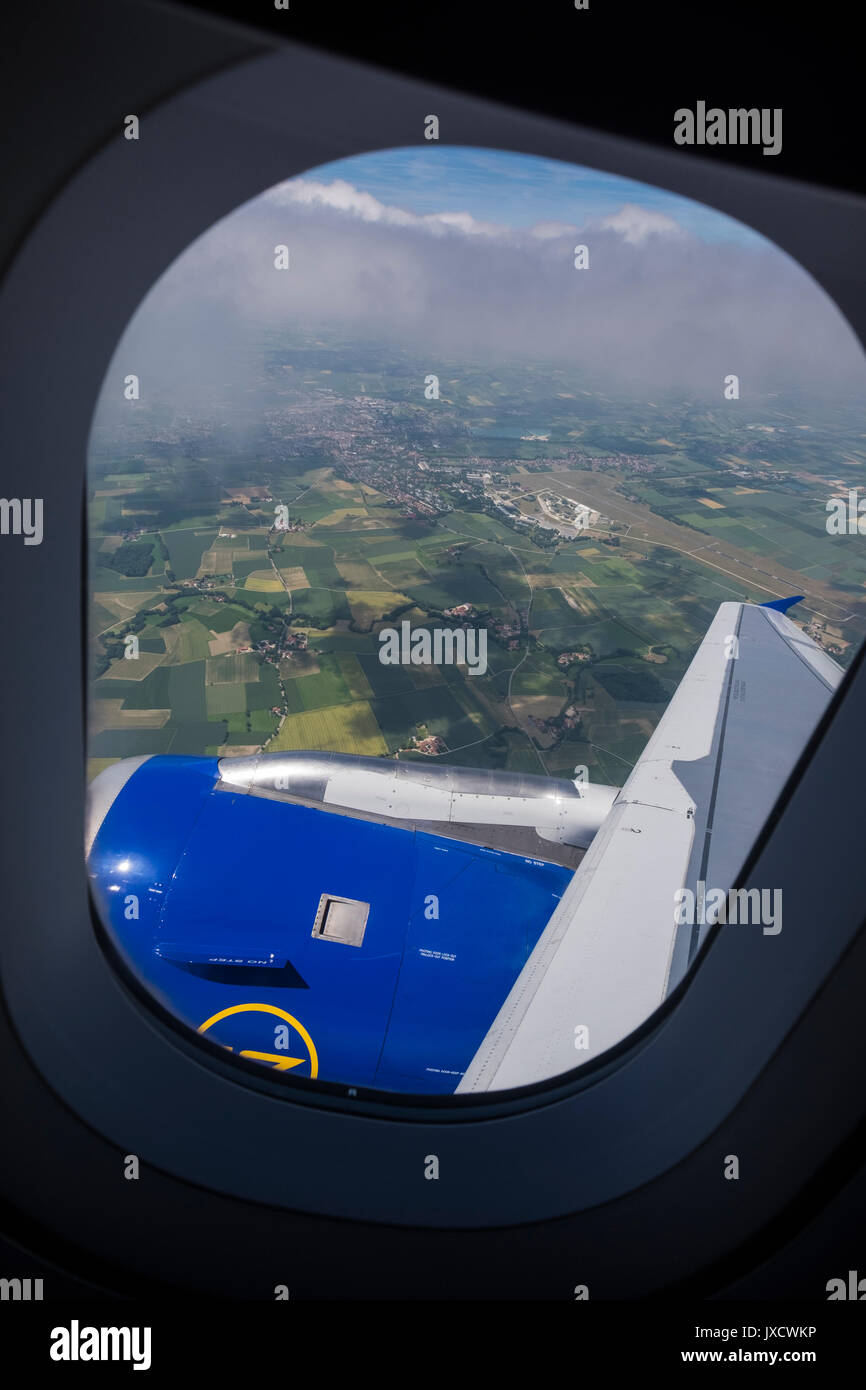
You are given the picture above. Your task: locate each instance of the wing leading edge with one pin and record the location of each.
(687, 815)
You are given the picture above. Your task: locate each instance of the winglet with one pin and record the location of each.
(782, 605)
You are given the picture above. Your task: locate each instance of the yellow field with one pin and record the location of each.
(369, 605)
(339, 729)
(218, 560)
(238, 636)
(425, 675)
(708, 502)
(231, 668)
(360, 574)
(335, 518)
(110, 714)
(97, 765)
(300, 538)
(295, 577)
(127, 669)
(300, 663)
(124, 604)
(541, 706)
(264, 582)
(314, 476)
(554, 581)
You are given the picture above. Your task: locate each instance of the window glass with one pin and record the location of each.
(421, 488)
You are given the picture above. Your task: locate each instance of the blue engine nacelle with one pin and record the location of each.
(314, 940)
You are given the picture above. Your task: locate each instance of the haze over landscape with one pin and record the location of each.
(564, 395)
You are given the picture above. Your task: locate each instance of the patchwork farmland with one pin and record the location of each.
(214, 631)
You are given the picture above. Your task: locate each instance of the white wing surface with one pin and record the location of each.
(687, 816)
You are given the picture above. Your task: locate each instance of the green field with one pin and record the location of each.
(688, 485)
(185, 549)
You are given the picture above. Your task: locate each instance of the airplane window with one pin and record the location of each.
(474, 546)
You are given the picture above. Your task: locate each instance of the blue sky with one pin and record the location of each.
(516, 190)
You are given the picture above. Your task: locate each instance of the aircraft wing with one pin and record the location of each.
(687, 816)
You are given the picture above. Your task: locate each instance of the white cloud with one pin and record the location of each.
(345, 197)
(635, 224)
(632, 222)
(545, 231)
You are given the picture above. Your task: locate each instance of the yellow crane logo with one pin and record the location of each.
(280, 1061)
